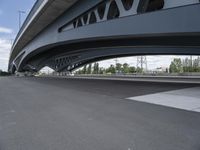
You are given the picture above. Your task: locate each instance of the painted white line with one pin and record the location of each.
(186, 99)
(7, 112)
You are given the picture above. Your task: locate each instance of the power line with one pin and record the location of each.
(142, 62)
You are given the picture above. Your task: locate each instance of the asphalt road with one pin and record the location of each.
(77, 114)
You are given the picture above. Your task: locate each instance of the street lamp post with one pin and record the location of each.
(20, 12)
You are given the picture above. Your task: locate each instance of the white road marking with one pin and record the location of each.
(186, 99)
(11, 124)
(90, 119)
(7, 112)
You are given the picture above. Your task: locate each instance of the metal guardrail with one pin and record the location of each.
(141, 76)
(164, 79)
(167, 76)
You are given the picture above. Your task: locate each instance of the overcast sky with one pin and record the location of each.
(9, 26)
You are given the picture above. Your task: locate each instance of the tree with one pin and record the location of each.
(96, 68)
(196, 65)
(118, 67)
(176, 66)
(89, 69)
(125, 68)
(84, 69)
(132, 69)
(2, 73)
(102, 70)
(139, 70)
(111, 69)
(186, 65)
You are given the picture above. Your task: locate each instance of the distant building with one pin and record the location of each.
(161, 70)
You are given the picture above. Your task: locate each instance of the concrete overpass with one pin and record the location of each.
(66, 34)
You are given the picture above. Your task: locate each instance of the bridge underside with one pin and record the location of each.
(67, 57)
(109, 30)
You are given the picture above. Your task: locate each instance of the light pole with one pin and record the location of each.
(20, 12)
(11, 41)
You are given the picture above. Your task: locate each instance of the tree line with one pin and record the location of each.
(185, 65)
(3, 73)
(176, 66)
(112, 69)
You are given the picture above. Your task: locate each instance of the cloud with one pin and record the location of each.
(5, 30)
(5, 46)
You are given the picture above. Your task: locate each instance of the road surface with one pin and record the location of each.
(84, 114)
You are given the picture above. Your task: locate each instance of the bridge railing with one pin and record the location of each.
(28, 18)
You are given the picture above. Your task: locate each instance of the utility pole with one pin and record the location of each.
(11, 41)
(142, 62)
(116, 62)
(20, 12)
(191, 61)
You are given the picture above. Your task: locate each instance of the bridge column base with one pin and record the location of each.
(24, 74)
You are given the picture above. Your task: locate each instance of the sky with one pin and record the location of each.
(153, 62)
(9, 27)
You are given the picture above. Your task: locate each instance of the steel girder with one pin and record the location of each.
(92, 31)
